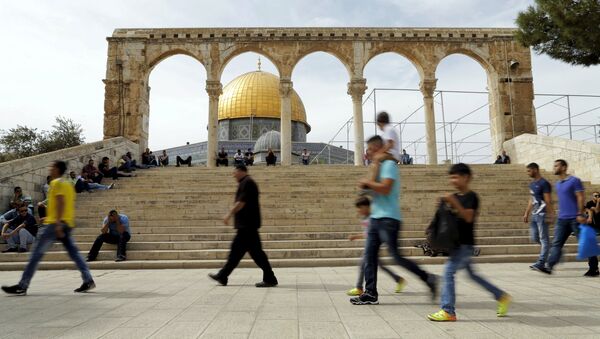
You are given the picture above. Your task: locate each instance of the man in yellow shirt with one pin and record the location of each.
(59, 221)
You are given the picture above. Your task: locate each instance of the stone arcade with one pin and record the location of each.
(132, 54)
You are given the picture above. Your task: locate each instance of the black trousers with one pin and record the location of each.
(593, 263)
(187, 161)
(112, 238)
(248, 240)
(224, 162)
(97, 178)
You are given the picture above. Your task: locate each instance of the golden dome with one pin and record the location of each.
(256, 93)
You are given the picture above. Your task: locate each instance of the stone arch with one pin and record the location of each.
(241, 49)
(155, 60)
(344, 59)
(481, 60)
(383, 49)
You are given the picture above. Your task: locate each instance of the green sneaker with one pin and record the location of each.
(503, 304)
(355, 292)
(441, 315)
(400, 284)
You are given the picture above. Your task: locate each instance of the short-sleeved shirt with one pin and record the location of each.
(390, 134)
(537, 189)
(466, 230)
(28, 220)
(112, 227)
(387, 206)
(249, 215)
(61, 187)
(567, 199)
(596, 217)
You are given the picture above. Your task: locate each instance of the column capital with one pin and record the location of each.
(427, 86)
(214, 88)
(285, 87)
(357, 88)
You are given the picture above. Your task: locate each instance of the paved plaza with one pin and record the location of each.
(309, 303)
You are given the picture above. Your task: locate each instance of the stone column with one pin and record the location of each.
(356, 89)
(427, 87)
(214, 90)
(285, 92)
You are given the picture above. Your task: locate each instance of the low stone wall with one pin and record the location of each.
(583, 157)
(30, 173)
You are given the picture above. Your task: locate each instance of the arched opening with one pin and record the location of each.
(393, 82)
(321, 81)
(178, 103)
(462, 110)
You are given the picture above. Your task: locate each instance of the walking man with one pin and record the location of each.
(59, 222)
(570, 212)
(385, 224)
(247, 221)
(539, 208)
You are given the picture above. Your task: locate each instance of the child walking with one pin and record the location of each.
(363, 206)
(465, 204)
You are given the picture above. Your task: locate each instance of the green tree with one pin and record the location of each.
(19, 142)
(568, 30)
(23, 141)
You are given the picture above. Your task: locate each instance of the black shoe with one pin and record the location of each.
(120, 258)
(22, 250)
(541, 269)
(218, 278)
(9, 250)
(266, 284)
(15, 289)
(432, 284)
(90, 259)
(364, 299)
(86, 286)
(592, 273)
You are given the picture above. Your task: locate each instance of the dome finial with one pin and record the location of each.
(259, 63)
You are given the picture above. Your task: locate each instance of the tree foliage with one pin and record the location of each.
(24, 141)
(568, 30)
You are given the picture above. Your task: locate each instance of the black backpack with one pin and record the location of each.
(442, 233)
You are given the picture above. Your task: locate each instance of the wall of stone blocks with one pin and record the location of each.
(30, 173)
(583, 157)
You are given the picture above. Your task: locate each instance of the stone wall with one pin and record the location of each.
(583, 157)
(30, 173)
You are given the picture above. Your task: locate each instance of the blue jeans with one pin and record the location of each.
(385, 230)
(361, 273)
(540, 235)
(22, 238)
(562, 232)
(44, 241)
(461, 258)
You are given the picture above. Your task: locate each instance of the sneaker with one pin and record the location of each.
(503, 304)
(432, 283)
(15, 289)
(111, 186)
(217, 278)
(9, 250)
(364, 299)
(266, 284)
(86, 286)
(441, 315)
(400, 284)
(592, 273)
(120, 258)
(355, 292)
(541, 269)
(22, 250)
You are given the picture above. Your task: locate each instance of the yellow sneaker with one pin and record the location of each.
(400, 285)
(503, 304)
(355, 292)
(441, 315)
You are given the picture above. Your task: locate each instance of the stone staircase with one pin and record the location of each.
(308, 214)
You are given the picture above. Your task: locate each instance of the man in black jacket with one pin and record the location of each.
(247, 221)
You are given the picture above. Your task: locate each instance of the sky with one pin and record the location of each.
(53, 61)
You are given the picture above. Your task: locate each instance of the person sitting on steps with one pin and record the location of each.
(222, 158)
(115, 230)
(271, 158)
(181, 161)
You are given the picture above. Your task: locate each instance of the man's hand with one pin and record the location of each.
(589, 220)
(5, 236)
(354, 237)
(226, 218)
(58, 229)
(526, 218)
(364, 183)
(120, 228)
(582, 220)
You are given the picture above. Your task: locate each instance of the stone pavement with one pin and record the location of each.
(309, 303)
